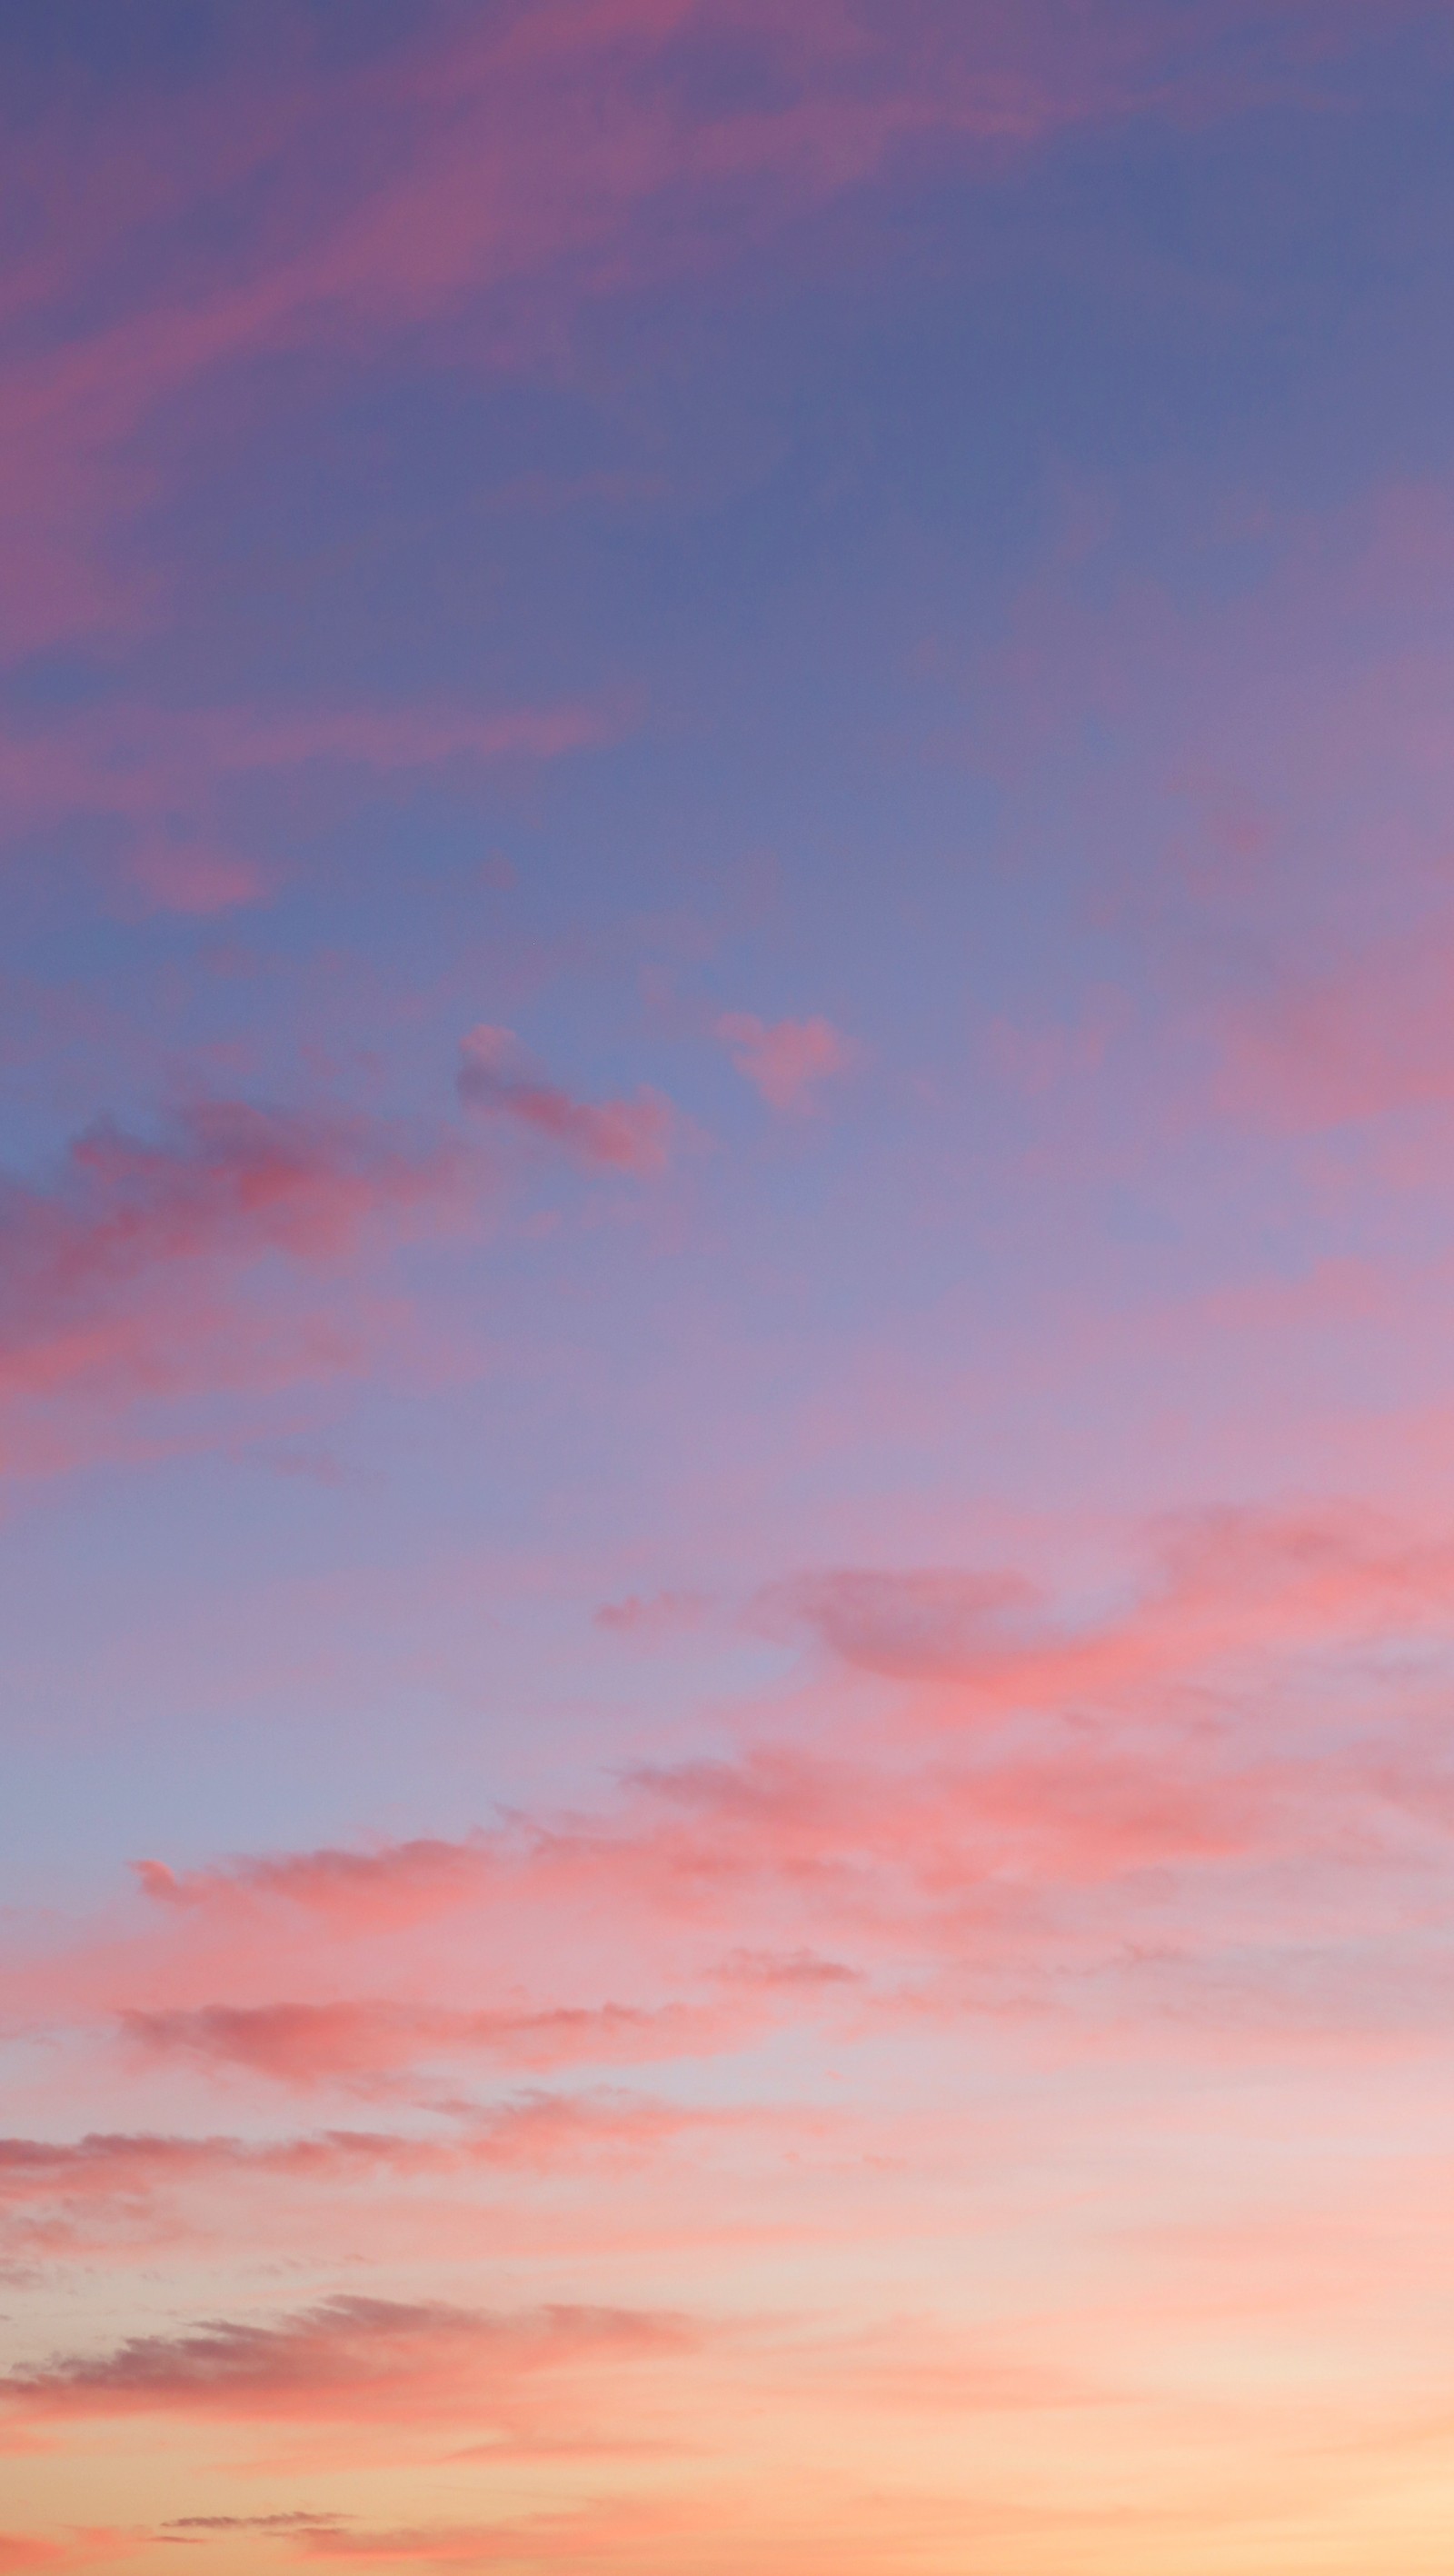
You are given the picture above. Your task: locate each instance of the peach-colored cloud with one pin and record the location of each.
(611, 2533)
(787, 1060)
(614, 2532)
(350, 2359)
(25, 2553)
(125, 2198)
(530, 2131)
(286, 2525)
(604, 1136)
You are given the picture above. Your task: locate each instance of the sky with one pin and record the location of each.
(726, 1254)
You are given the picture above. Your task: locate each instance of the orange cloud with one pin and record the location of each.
(615, 2533)
(24, 2553)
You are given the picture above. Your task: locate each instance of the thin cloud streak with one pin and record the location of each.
(630, 1136)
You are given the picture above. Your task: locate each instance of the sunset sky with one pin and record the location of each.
(727, 1287)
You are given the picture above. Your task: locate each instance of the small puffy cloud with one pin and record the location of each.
(784, 1060)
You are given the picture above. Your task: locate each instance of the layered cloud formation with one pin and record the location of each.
(724, 1255)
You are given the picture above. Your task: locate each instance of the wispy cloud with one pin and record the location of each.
(118, 1276)
(567, 154)
(631, 1136)
(164, 777)
(352, 2360)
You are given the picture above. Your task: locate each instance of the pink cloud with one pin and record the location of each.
(662, 1615)
(162, 773)
(1223, 1583)
(527, 163)
(605, 1136)
(350, 2360)
(396, 1884)
(188, 877)
(122, 2196)
(530, 2129)
(1005, 1779)
(113, 1281)
(1368, 1039)
(786, 1061)
(361, 2044)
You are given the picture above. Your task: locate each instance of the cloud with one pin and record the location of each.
(285, 2523)
(397, 1883)
(662, 1615)
(114, 1276)
(28, 2553)
(532, 2129)
(348, 2360)
(1221, 1583)
(624, 2533)
(1017, 1806)
(608, 1136)
(787, 1060)
(913, 1625)
(230, 1177)
(124, 2195)
(1370, 1039)
(803, 1968)
(189, 876)
(500, 174)
(164, 774)
(364, 2044)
